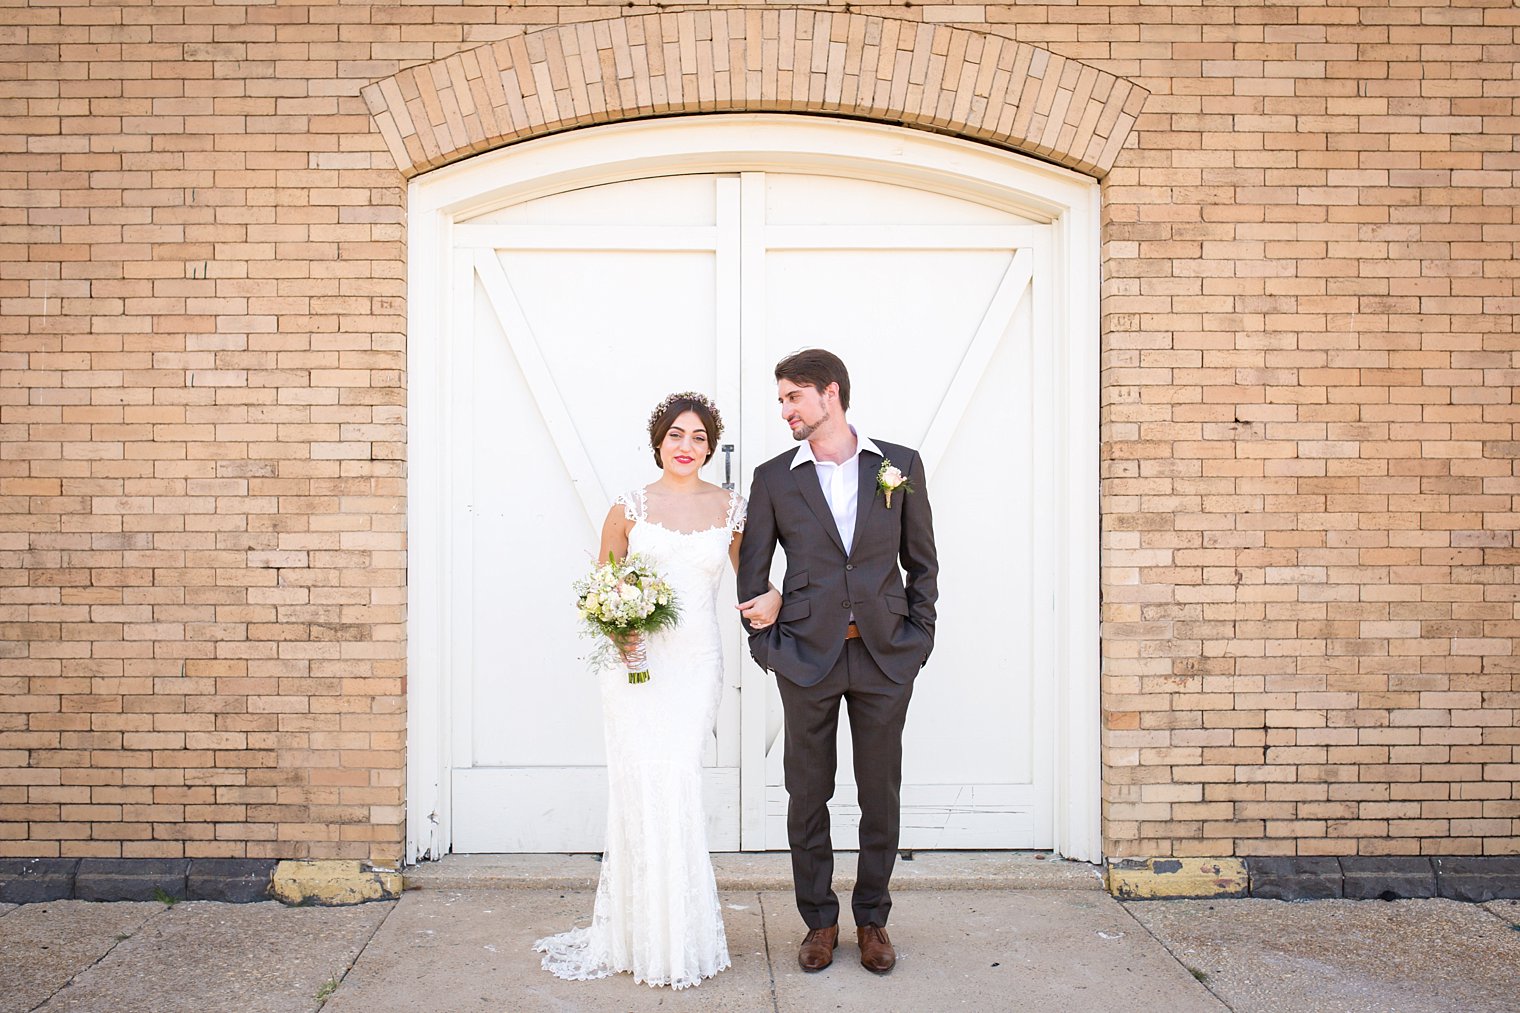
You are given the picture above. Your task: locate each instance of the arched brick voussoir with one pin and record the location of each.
(933, 77)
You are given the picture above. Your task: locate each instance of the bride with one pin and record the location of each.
(656, 913)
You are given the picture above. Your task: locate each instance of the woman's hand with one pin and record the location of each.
(760, 611)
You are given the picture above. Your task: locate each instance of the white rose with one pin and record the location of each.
(892, 478)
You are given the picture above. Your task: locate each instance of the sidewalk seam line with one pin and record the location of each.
(1482, 905)
(109, 950)
(360, 951)
(765, 936)
(1174, 956)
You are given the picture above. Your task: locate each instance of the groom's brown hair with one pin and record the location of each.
(816, 368)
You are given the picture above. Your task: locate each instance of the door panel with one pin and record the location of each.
(584, 308)
(574, 332)
(930, 302)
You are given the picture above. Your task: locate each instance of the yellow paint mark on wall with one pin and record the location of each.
(1161, 878)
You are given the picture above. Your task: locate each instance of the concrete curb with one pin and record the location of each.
(1478, 880)
(1176, 878)
(1474, 879)
(333, 883)
(37, 880)
(229, 880)
(131, 879)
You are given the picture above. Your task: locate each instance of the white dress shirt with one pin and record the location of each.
(840, 482)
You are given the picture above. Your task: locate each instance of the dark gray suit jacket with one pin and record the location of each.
(823, 586)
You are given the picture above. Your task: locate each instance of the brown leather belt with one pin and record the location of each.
(851, 632)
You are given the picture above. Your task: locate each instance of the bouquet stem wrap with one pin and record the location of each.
(621, 598)
(636, 657)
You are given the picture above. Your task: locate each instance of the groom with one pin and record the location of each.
(848, 630)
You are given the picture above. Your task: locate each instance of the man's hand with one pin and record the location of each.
(760, 611)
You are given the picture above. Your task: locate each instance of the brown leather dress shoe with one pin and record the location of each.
(876, 952)
(817, 951)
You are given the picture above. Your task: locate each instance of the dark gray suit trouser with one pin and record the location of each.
(878, 707)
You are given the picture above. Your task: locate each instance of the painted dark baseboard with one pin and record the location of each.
(242, 880)
(1460, 877)
(234, 880)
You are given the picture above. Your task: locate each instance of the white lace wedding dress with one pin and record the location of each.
(657, 913)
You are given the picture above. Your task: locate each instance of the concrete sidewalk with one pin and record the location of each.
(459, 939)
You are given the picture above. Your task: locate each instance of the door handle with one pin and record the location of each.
(728, 466)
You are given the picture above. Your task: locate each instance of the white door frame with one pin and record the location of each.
(735, 143)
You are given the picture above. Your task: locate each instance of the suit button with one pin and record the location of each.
(846, 604)
(849, 566)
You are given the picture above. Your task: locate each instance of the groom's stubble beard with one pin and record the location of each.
(805, 431)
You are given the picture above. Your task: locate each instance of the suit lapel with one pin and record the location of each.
(865, 492)
(806, 477)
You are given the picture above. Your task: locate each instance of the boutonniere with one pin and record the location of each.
(890, 479)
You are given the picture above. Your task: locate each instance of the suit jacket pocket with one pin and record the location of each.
(896, 604)
(794, 610)
(794, 581)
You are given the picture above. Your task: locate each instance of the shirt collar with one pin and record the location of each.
(804, 452)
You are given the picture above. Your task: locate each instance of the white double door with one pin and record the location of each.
(571, 314)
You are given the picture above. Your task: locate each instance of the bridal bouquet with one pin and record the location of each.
(618, 599)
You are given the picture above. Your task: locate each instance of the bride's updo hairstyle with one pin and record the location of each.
(667, 411)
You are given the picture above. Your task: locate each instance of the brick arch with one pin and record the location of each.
(932, 77)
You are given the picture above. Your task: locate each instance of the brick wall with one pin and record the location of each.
(1309, 427)
(1308, 418)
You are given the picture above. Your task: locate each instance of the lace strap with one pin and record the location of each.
(737, 508)
(635, 506)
